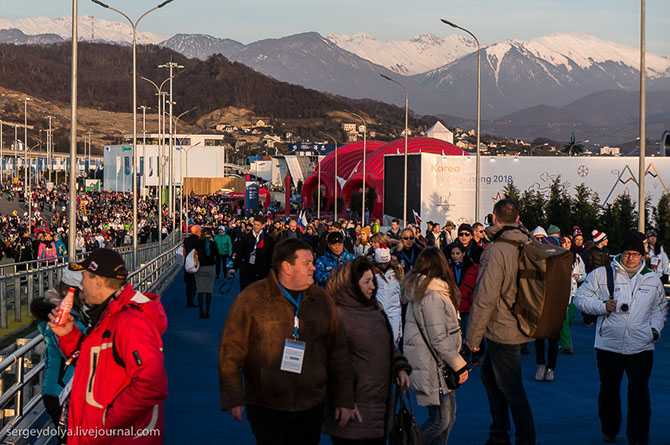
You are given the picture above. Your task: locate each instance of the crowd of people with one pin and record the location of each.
(333, 317)
(104, 220)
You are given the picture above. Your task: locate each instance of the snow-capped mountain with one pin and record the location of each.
(423, 53)
(16, 37)
(201, 46)
(88, 26)
(553, 70)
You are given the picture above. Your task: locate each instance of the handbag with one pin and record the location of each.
(451, 377)
(191, 265)
(406, 430)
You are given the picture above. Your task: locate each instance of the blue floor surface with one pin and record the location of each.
(565, 410)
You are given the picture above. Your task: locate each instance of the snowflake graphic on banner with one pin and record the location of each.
(583, 171)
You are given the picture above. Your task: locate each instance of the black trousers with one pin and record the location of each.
(611, 367)
(221, 264)
(274, 427)
(191, 288)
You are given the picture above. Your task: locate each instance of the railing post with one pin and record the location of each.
(17, 299)
(19, 381)
(3, 305)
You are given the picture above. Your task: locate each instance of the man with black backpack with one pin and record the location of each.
(501, 368)
(629, 301)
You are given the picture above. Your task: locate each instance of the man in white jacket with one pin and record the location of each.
(630, 320)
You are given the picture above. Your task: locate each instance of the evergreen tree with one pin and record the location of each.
(662, 220)
(558, 206)
(510, 191)
(531, 209)
(585, 209)
(618, 220)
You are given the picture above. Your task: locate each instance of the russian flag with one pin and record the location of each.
(417, 218)
(302, 220)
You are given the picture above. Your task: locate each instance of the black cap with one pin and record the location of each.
(633, 243)
(465, 227)
(335, 238)
(105, 263)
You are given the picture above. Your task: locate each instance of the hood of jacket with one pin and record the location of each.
(148, 303)
(344, 291)
(435, 284)
(513, 232)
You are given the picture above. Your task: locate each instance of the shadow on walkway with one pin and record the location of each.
(565, 410)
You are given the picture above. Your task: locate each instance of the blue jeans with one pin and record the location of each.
(501, 376)
(440, 420)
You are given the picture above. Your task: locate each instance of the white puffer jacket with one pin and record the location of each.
(624, 331)
(663, 267)
(438, 319)
(578, 269)
(388, 295)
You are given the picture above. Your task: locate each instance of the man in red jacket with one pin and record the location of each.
(120, 382)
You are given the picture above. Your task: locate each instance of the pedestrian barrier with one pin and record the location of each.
(23, 286)
(21, 372)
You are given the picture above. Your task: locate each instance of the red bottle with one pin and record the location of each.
(65, 308)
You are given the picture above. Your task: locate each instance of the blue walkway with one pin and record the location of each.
(565, 410)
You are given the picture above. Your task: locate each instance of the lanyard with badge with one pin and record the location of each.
(257, 244)
(294, 349)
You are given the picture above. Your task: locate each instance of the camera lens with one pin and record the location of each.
(624, 307)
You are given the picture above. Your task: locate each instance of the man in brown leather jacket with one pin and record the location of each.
(283, 337)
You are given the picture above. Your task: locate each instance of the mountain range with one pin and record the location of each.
(551, 72)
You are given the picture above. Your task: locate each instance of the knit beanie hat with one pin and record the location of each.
(382, 254)
(577, 232)
(539, 230)
(634, 243)
(598, 237)
(553, 230)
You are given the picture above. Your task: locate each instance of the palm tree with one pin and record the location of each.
(573, 147)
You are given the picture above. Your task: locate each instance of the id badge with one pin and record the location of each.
(252, 258)
(294, 353)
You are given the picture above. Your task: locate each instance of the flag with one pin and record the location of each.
(126, 163)
(302, 220)
(417, 218)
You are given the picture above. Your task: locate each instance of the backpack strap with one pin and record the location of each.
(610, 280)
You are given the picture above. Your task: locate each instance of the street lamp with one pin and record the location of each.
(640, 198)
(26, 177)
(144, 109)
(133, 25)
(336, 180)
(171, 198)
(404, 206)
(185, 150)
(181, 178)
(479, 89)
(365, 133)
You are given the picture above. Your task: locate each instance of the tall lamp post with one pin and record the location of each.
(479, 89)
(404, 206)
(365, 171)
(181, 178)
(26, 170)
(336, 180)
(144, 109)
(171, 190)
(640, 198)
(133, 25)
(185, 150)
(72, 210)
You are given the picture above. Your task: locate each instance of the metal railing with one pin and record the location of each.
(21, 373)
(19, 288)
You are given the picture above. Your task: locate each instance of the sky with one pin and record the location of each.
(490, 20)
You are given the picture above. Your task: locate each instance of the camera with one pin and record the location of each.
(624, 307)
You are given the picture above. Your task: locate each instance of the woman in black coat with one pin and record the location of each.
(204, 277)
(376, 361)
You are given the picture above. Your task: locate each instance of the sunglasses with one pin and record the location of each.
(408, 237)
(465, 234)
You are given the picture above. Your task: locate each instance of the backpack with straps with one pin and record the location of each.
(543, 286)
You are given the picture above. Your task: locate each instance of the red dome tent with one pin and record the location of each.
(375, 167)
(348, 157)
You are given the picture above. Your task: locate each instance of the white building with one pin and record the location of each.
(439, 131)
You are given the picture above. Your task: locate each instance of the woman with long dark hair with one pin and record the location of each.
(376, 362)
(204, 277)
(432, 329)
